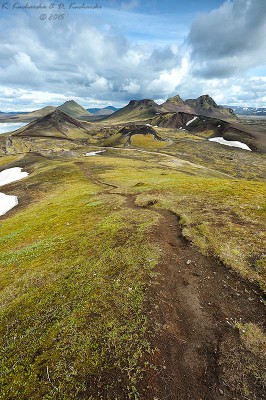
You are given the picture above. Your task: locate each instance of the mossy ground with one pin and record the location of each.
(243, 359)
(147, 142)
(74, 268)
(76, 259)
(225, 217)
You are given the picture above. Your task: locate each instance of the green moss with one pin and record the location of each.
(226, 216)
(72, 291)
(147, 142)
(76, 259)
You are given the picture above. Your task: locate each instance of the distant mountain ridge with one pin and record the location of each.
(256, 111)
(146, 113)
(147, 108)
(136, 110)
(102, 111)
(203, 105)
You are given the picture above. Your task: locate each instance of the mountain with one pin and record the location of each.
(70, 107)
(74, 109)
(55, 124)
(256, 111)
(41, 113)
(136, 110)
(27, 116)
(176, 104)
(103, 111)
(203, 105)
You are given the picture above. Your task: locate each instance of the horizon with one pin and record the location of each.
(111, 105)
(134, 50)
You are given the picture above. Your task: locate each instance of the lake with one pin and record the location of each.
(10, 126)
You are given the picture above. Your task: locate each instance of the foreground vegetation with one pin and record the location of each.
(76, 260)
(222, 216)
(74, 268)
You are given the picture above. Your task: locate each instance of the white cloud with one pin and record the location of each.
(20, 70)
(112, 56)
(100, 84)
(230, 39)
(131, 87)
(169, 80)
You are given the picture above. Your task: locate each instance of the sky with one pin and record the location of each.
(110, 52)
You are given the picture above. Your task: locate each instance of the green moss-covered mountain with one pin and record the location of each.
(74, 109)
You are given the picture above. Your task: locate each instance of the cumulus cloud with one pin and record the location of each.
(168, 81)
(132, 87)
(97, 61)
(20, 70)
(230, 39)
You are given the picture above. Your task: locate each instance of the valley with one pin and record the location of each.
(133, 264)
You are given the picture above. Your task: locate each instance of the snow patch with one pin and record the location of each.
(148, 124)
(231, 143)
(192, 120)
(7, 203)
(94, 153)
(11, 175)
(219, 126)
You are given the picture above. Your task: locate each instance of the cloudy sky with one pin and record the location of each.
(131, 49)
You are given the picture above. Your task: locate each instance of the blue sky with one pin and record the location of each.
(131, 50)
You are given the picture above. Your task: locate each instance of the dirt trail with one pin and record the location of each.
(189, 306)
(192, 299)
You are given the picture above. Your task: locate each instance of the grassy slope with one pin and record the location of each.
(74, 109)
(195, 148)
(222, 216)
(147, 142)
(72, 290)
(130, 115)
(73, 287)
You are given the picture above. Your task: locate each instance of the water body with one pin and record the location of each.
(10, 126)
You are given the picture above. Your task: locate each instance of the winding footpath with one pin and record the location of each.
(191, 306)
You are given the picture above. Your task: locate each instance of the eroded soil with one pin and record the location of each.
(192, 303)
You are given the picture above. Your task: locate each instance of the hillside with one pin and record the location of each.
(208, 127)
(203, 105)
(176, 104)
(27, 116)
(123, 271)
(142, 136)
(132, 256)
(136, 110)
(55, 124)
(70, 107)
(74, 109)
(103, 111)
